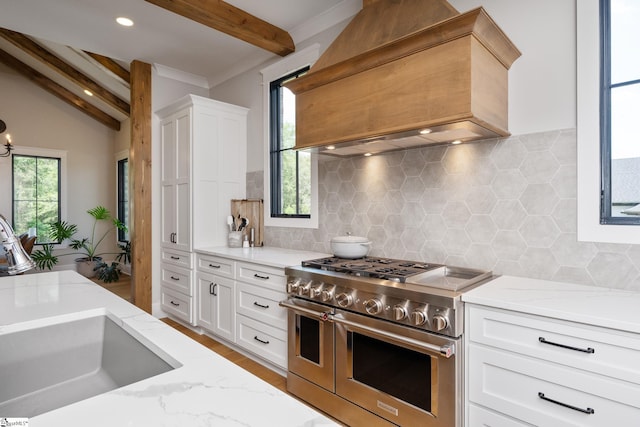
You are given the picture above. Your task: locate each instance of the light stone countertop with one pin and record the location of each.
(605, 307)
(266, 255)
(206, 390)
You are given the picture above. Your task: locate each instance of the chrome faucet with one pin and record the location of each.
(13, 257)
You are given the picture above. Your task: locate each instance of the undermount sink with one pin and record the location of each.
(47, 367)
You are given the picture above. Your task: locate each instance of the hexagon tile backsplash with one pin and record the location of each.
(507, 205)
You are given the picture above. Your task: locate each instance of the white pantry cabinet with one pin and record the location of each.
(203, 167)
(524, 369)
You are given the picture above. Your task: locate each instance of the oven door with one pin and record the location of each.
(404, 375)
(311, 342)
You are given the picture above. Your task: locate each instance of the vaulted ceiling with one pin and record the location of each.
(67, 47)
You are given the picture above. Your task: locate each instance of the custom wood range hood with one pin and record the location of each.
(401, 67)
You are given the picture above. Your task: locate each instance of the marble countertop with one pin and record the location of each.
(609, 308)
(266, 255)
(206, 390)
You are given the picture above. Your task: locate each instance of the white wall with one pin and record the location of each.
(35, 118)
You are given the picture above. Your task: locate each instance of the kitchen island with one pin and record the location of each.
(203, 388)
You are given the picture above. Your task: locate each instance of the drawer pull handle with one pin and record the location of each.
(212, 289)
(214, 266)
(256, 303)
(174, 303)
(584, 350)
(566, 405)
(261, 277)
(175, 257)
(259, 340)
(177, 279)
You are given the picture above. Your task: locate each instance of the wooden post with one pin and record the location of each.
(140, 185)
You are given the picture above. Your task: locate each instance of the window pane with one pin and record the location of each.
(625, 33)
(625, 149)
(304, 177)
(288, 119)
(36, 198)
(288, 182)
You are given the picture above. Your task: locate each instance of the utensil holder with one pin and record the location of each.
(235, 239)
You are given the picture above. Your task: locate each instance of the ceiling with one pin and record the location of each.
(71, 28)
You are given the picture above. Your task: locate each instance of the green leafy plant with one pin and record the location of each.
(87, 247)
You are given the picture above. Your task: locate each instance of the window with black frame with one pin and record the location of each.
(620, 109)
(290, 170)
(36, 194)
(123, 197)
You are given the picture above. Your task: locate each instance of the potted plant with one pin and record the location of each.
(90, 263)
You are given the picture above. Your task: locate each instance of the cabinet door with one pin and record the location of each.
(205, 288)
(216, 305)
(224, 315)
(175, 137)
(176, 181)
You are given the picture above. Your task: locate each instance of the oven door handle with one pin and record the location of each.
(446, 350)
(322, 315)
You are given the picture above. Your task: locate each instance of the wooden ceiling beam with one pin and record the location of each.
(59, 91)
(38, 52)
(111, 65)
(233, 21)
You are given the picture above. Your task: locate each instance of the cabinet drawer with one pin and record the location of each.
(179, 258)
(262, 275)
(216, 265)
(177, 278)
(603, 351)
(177, 304)
(261, 304)
(479, 416)
(263, 340)
(512, 384)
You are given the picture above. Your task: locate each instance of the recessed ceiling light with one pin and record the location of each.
(331, 147)
(425, 131)
(456, 142)
(367, 154)
(88, 92)
(125, 22)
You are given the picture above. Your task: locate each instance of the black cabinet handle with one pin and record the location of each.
(175, 257)
(212, 289)
(177, 279)
(256, 303)
(583, 350)
(259, 340)
(566, 405)
(261, 277)
(174, 303)
(214, 266)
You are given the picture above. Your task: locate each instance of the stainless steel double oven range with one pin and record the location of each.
(378, 341)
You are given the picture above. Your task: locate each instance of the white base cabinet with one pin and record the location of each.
(530, 370)
(239, 302)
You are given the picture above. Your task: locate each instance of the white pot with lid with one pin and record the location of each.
(349, 246)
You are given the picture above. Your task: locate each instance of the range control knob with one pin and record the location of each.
(439, 322)
(399, 312)
(344, 300)
(418, 317)
(373, 306)
(314, 292)
(326, 295)
(293, 286)
(304, 289)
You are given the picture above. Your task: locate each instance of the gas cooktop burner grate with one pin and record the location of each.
(382, 268)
